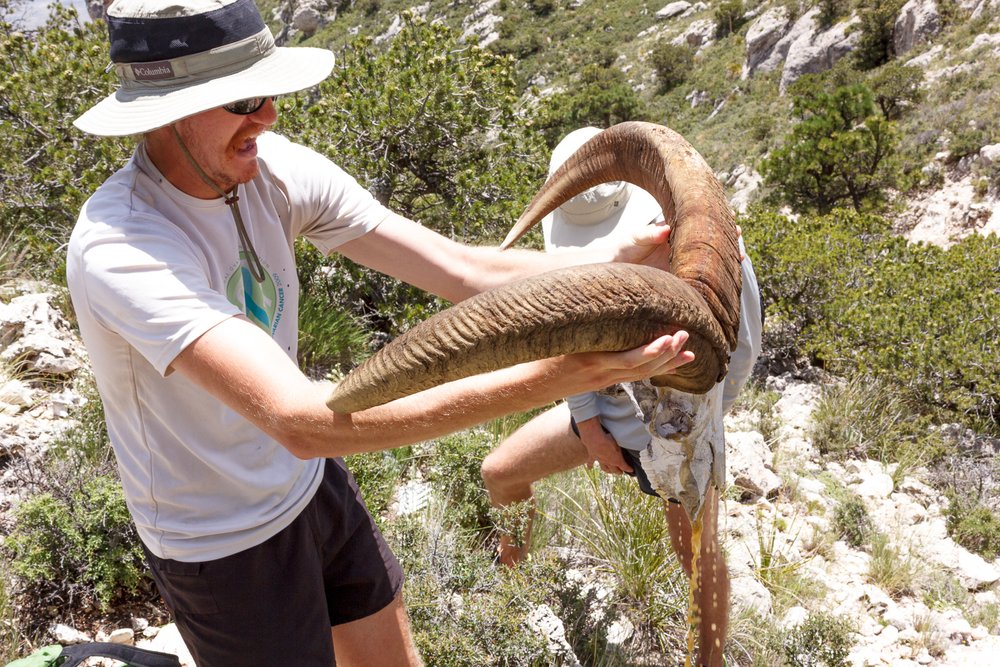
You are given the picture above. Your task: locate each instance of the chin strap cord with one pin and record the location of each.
(232, 201)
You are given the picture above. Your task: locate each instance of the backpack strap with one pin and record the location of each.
(132, 656)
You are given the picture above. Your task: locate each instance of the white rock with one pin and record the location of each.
(168, 640)
(620, 631)
(748, 462)
(815, 52)
(66, 635)
(122, 636)
(673, 9)
(989, 154)
(544, 621)
(794, 617)
(762, 37)
(746, 592)
(876, 486)
(918, 21)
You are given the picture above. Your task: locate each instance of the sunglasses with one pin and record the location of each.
(247, 106)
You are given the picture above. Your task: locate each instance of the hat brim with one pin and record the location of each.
(284, 71)
(639, 210)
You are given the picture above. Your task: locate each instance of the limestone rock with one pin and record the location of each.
(748, 464)
(814, 51)
(917, 23)
(762, 36)
(673, 9)
(482, 26)
(544, 621)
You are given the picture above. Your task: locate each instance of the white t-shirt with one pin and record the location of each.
(150, 269)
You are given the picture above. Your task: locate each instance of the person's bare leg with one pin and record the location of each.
(542, 447)
(380, 640)
(713, 592)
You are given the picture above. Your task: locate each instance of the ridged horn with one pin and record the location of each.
(606, 307)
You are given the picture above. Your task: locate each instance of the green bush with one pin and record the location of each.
(74, 543)
(464, 611)
(672, 64)
(823, 640)
(454, 476)
(976, 528)
(858, 300)
(433, 128)
(852, 522)
(601, 97)
(47, 79)
(878, 19)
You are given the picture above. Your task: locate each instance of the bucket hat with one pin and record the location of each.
(177, 58)
(609, 208)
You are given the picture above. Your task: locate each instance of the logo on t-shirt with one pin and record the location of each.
(258, 301)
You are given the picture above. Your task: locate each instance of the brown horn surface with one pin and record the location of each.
(582, 309)
(605, 307)
(703, 238)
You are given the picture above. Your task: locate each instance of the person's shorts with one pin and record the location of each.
(632, 458)
(274, 604)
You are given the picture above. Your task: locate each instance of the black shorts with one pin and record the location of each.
(632, 458)
(274, 604)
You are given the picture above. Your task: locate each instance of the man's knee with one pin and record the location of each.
(494, 472)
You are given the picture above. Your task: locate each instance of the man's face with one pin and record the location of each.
(225, 144)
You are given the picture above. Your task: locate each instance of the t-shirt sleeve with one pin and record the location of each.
(149, 286)
(327, 205)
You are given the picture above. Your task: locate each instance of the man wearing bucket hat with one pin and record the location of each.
(181, 270)
(605, 426)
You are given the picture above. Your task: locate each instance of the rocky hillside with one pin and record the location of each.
(919, 599)
(805, 532)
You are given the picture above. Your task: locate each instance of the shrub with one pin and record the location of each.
(465, 612)
(455, 477)
(432, 127)
(823, 640)
(897, 87)
(878, 19)
(858, 300)
(975, 528)
(600, 97)
(672, 64)
(49, 168)
(74, 543)
(851, 521)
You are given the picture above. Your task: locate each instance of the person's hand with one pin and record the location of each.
(649, 245)
(601, 447)
(590, 371)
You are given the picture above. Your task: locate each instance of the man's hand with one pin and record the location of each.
(590, 371)
(601, 447)
(649, 245)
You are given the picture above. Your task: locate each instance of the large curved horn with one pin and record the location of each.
(703, 238)
(553, 314)
(608, 307)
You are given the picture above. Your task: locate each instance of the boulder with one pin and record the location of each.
(762, 36)
(917, 23)
(545, 622)
(814, 52)
(748, 464)
(482, 26)
(807, 23)
(697, 35)
(36, 337)
(673, 9)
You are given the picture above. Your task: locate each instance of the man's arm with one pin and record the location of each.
(239, 364)
(455, 271)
